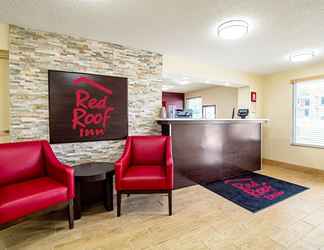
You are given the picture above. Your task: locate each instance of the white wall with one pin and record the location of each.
(4, 36)
(4, 95)
(175, 65)
(278, 108)
(4, 74)
(225, 99)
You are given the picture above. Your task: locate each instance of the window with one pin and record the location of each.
(209, 112)
(322, 100)
(195, 104)
(309, 113)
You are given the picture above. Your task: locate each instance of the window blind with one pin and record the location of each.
(308, 108)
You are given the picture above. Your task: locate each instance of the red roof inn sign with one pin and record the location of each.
(85, 107)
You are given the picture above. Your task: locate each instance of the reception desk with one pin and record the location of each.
(209, 150)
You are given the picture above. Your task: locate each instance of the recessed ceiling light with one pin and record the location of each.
(166, 87)
(233, 29)
(302, 56)
(184, 82)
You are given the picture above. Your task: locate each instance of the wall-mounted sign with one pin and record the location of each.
(86, 107)
(253, 96)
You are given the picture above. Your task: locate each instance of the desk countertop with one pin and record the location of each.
(190, 120)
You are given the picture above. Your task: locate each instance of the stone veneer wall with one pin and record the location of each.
(33, 53)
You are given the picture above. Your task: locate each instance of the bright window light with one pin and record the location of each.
(308, 122)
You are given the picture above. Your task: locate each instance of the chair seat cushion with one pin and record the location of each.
(20, 199)
(151, 177)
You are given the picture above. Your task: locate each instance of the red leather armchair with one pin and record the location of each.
(31, 180)
(146, 166)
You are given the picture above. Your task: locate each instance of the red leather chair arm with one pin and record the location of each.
(169, 163)
(58, 171)
(123, 163)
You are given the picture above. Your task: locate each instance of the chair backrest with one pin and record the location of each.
(148, 150)
(20, 161)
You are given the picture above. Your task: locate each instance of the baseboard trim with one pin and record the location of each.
(295, 167)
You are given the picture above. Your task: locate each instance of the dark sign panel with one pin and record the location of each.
(86, 107)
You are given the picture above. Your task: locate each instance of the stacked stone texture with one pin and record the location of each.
(32, 53)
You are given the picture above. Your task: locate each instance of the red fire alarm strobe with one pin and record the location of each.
(253, 96)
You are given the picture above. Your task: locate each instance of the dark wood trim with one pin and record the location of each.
(109, 193)
(77, 200)
(59, 206)
(129, 192)
(93, 183)
(118, 203)
(70, 214)
(170, 202)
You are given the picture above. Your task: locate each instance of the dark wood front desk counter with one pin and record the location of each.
(209, 150)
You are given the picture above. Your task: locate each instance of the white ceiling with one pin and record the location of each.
(182, 84)
(185, 88)
(192, 86)
(185, 27)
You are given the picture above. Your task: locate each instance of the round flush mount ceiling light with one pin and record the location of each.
(233, 29)
(302, 56)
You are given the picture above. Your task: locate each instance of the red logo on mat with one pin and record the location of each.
(91, 115)
(257, 190)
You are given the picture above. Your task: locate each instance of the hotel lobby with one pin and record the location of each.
(161, 125)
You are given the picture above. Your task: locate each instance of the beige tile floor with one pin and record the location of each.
(201, 220)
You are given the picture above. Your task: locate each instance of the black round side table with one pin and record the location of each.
(93, 172)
